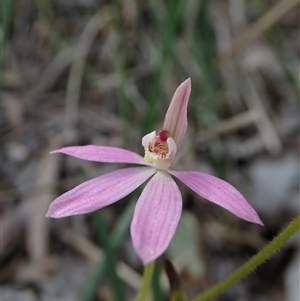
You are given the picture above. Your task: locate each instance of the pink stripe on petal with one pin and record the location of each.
(156, 217)
(99, 192)
(102, 154)
(219, 192)
(176, 116)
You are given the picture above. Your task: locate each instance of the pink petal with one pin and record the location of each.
(218, 192)
(156, 217)
(99, 192)
(102, 154)
(176, 116)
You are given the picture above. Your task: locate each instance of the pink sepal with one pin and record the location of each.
(99, 192)
(176, 116)
(156, 217)
(219, 192)
(102, 154)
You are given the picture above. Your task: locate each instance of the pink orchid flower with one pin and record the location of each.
(159, 207)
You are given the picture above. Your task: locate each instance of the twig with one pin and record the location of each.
(37, 236)
(236, 122)
(56, 67)
(95, 254)
(266, 21)
(96, 23)
(264, 124)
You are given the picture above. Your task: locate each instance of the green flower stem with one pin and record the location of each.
(254, 262)
(148, 272)
(157, 292)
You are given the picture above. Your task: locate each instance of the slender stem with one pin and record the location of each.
(254, 262)
(148, 272)
(157, 292)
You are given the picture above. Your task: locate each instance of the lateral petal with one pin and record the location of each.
(156, 216)
(219, 192)
(176, 116)
(102, 154)
(99, 192)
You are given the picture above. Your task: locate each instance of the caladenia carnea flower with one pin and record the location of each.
(159, 206)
